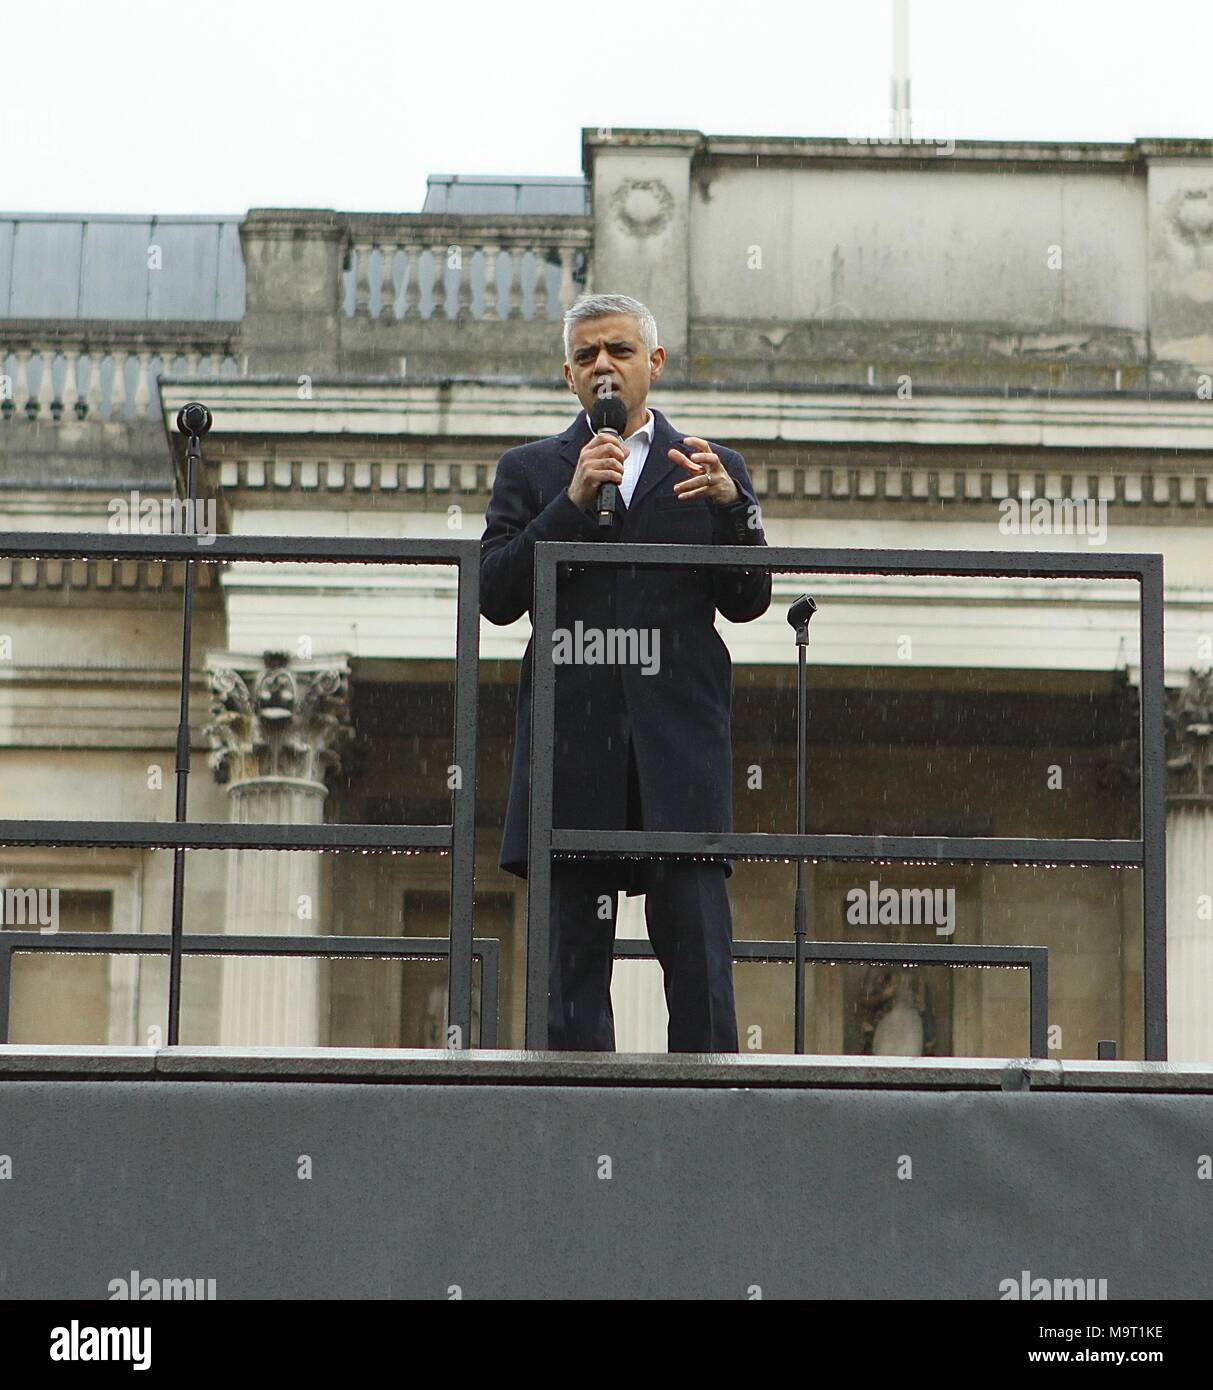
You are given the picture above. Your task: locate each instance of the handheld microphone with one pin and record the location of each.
(608, 415)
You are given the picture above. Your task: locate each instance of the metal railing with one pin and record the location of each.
(1034, 959)
(457, 837)
(1148, 851)
(484, 949)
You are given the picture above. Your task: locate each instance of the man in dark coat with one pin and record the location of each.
(643, 680)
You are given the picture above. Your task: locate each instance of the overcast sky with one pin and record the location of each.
(159, 106)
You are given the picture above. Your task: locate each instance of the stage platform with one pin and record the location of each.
(337, 1173)
(430, 1066)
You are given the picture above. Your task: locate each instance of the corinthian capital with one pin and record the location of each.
(275, 717)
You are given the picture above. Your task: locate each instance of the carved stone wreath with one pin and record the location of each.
(1190, 212)
(642, 207)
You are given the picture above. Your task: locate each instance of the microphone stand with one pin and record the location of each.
(798, 616)
(193, 421)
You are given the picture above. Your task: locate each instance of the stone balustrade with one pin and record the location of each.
(420, 269)
(56, 373)
(464, 268)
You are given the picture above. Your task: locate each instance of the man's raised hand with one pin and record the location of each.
(710, 479)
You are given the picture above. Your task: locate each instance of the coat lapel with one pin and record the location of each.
(574, 439)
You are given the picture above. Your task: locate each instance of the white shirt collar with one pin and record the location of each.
(646, 429)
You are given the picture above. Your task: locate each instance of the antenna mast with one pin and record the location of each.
(899, 113)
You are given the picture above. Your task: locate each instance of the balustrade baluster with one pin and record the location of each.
(70, 393)
(143, 395)
(362, 279)
(412, 292)
(567, 289)
(490, 282)
(21, 399)
(387, 283)
(117, 384)
(439, 290)
(46, 385)
(541, 283)
(515, 282)
(92, 389)
(464, 291)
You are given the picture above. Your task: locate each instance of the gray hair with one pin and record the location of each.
(598, 306)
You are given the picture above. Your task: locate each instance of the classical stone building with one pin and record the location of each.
(1000, 347)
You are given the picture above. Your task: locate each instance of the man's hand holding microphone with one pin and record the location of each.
(601, 461)
(600, 465)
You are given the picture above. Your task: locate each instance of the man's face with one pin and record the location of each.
(612, 348)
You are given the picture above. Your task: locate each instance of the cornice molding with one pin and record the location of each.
(352, 476)
(353, 438)
(102, 576)
(513, 410)
(978, 155)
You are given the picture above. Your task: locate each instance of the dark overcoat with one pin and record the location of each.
(679, 716)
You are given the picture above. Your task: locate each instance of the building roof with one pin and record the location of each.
(97, 266)
(92, 266)
(506, 193)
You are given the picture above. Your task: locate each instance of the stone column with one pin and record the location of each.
(277, 729)
(1190, 871)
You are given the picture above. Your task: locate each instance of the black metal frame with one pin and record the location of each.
(484, 949)
(1148, 851)
(182, 834)
(1034, 959)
